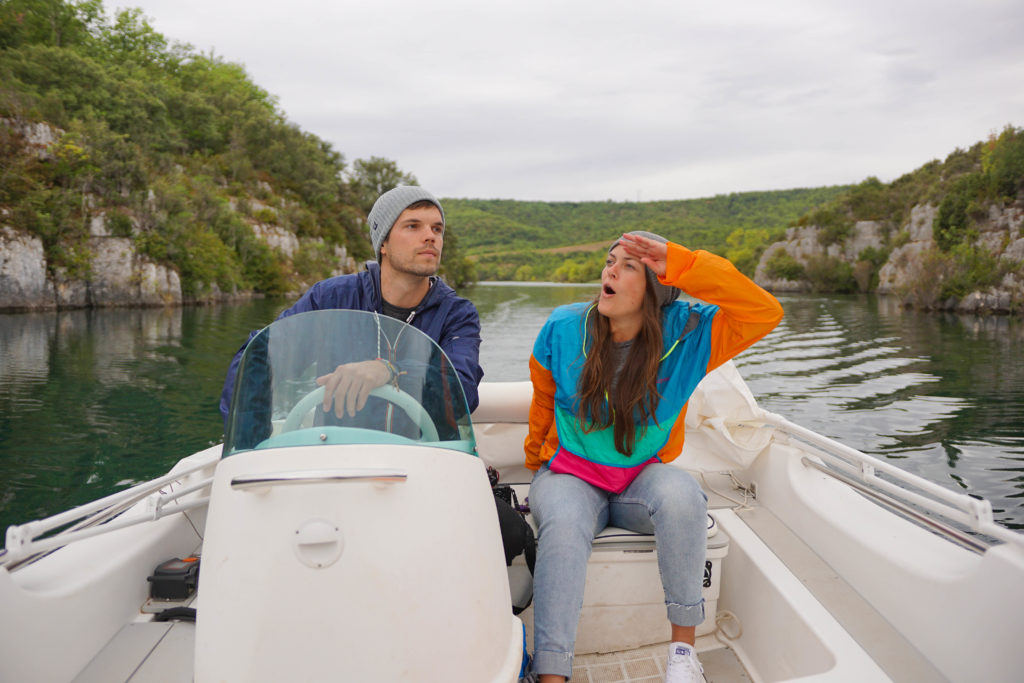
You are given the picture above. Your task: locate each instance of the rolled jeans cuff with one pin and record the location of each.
(557, 663)
(686, 615)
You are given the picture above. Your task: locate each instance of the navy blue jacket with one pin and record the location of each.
(445, 317)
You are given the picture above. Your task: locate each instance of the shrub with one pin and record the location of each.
(745, 247)
(1003, 161)
(782, 266)
(969, 269)
(870, 201)
(834, 224)
(580, 268)
(865, 275)
(119, 224)
(951, 221)
(869, 262)
(265, 215)
(876, 256)
(828, 274)
(314, 261)
(205, 260)
(940, 275)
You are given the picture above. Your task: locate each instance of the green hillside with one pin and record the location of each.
(182, 153)
(964, 186)
(508, 239)
(179, 150)
(562, 241)
(961, 186)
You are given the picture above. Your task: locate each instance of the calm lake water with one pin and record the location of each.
(94, 401)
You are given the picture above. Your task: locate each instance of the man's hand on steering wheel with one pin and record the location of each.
(350, 385)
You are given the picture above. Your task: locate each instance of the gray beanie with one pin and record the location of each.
(665, 294)
(389, 206)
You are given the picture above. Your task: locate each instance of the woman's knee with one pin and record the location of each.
(678, 495)
(567, 525)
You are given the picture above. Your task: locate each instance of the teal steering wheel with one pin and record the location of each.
(416, 412)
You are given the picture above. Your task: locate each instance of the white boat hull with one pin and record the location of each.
(375, 578)
(819, 582)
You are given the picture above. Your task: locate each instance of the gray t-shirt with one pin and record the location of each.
(396, 312)
(620, 351)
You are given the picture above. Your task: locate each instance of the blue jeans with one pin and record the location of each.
(570, 512)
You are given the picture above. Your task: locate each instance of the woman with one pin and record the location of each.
(611, 380)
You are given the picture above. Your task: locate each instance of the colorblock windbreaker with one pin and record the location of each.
(697, 339)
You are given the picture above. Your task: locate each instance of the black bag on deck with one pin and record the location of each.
(516, 533)
(516, 538)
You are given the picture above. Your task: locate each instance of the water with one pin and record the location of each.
(94, 401)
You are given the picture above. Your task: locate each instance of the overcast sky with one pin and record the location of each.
(630, 100)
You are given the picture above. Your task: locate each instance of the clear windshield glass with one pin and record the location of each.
(278, 400)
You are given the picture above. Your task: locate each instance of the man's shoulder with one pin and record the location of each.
(341, 285)
(442, 291)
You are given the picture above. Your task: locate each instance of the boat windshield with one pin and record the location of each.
(279, 394)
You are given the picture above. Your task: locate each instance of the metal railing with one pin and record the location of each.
(23, 542)
(901, 491)
(904, 492)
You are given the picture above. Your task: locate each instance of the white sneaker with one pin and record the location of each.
(683, 665)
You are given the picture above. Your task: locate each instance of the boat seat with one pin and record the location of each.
(615, 538)
(500, 428)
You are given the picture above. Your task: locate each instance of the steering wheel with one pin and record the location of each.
(416, 412)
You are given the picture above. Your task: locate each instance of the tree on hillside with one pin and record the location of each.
(181, 152)
(370, 178)
(55, 23)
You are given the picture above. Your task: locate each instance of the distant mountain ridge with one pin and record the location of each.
(514, 240)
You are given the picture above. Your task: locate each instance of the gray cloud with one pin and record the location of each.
(594, 100)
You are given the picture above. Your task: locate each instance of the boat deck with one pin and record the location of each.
(647, 665)
(145, 651)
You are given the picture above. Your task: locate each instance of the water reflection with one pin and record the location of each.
(92, 401)
(943, 393)
(107, 398)
(511, 315)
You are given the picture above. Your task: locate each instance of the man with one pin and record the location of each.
(407, 233)
(407, 228)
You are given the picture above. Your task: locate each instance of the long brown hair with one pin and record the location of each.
(635, 396)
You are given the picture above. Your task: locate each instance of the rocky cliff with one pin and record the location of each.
(96, 259)
(116, 275)
(915, 269)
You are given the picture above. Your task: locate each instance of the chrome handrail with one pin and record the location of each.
(851, 465)
(893, 504)
(346, 476)
(98, 517)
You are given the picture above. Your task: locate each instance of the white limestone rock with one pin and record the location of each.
(23, 281)
(121, 277)
(278, 238)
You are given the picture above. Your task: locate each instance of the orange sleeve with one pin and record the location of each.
(746, 312)
(542, 439)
